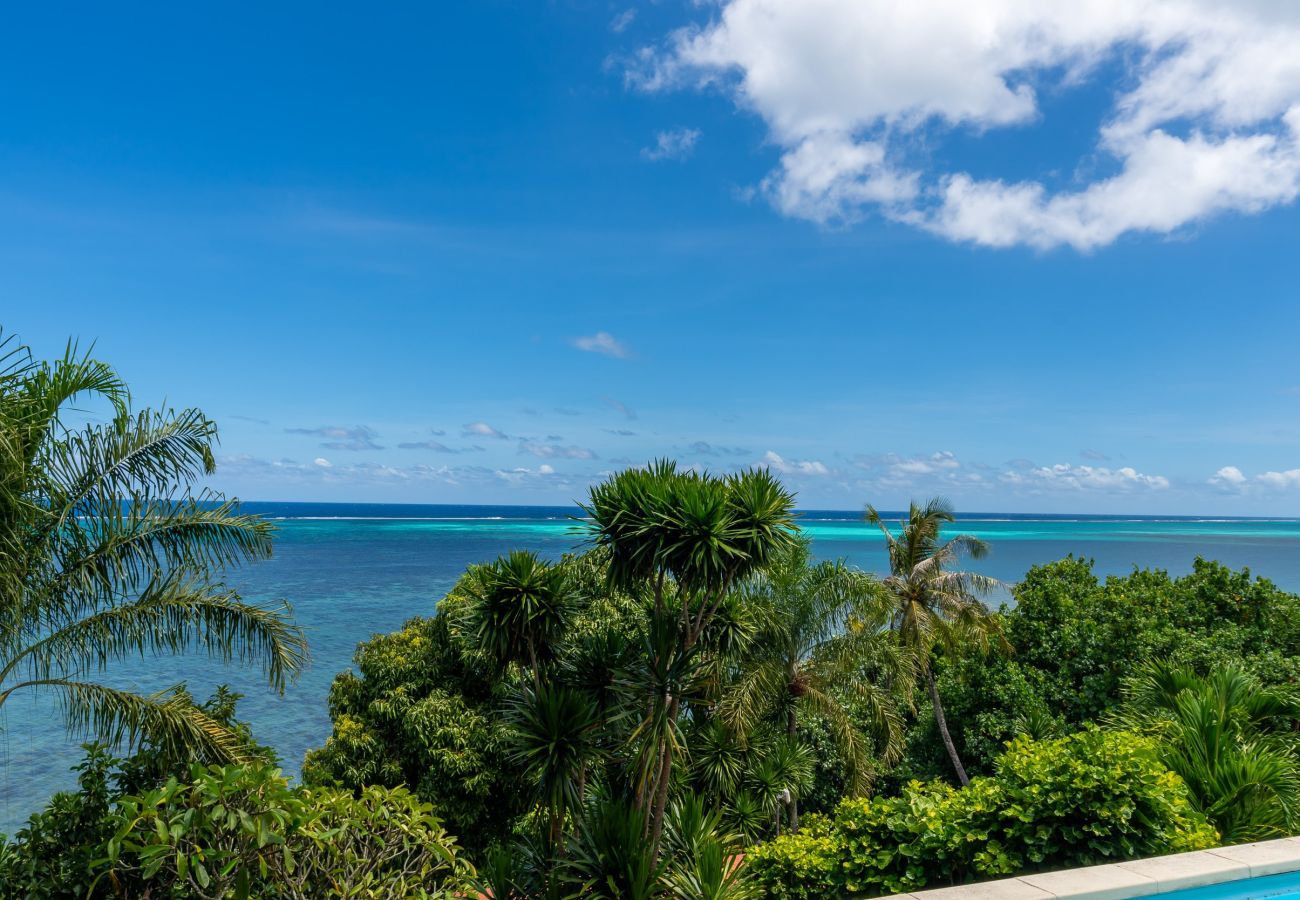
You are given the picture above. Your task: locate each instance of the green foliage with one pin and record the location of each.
(1084, 636)
(1229, 738)
(241, 831)
(1075, 638)
(110, 550)
(421, 711)
(1088, 798)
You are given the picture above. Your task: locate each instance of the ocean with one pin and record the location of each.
(354, 570)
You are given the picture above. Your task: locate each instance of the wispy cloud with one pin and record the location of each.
(253, 419)
(555, 451)
(483, 429)
(704, 448)
(674, 144)
(621, 432)
(621, 407)
(1063, 476)
(1094, 455)
(604, 343)
(620, 22)
(343, 437)
(437, 447)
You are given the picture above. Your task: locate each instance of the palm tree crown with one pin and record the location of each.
(106, 552)
(933, 605)
(821, 630)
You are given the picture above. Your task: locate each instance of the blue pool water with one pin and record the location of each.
(353, 570)
(1287, 885)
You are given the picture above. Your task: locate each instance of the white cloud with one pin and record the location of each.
(794, 466)
(1084, 478)
(483, 429)
(1229, 477)
(1288, 479)
(604, 343)
(322, 462)
(1205, 117)
(524, 475)
(676, 143)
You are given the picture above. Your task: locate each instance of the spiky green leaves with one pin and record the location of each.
(704, 531)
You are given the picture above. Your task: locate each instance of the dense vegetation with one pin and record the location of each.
(689, 706)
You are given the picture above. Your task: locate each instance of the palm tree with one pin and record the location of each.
(1230, 740)
(931, 605)
(686, 538)
(107, 552)
(555, 738)
(521, 606)
(821, 628)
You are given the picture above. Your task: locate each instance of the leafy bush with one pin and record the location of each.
(242, 831)
(422, 713)
(1087, 798)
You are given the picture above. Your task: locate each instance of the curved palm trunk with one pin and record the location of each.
(942, 721)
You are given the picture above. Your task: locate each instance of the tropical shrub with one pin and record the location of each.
(1088, 798)
(54, 854)
(1075, 638)
(420, 711)
(1231, 739)
(243, 831)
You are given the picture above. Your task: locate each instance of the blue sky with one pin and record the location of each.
(534, 242)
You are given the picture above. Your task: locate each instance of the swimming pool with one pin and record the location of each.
(1240, 872)
(1286, 885)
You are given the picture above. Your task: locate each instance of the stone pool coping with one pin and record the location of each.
(1138, 878)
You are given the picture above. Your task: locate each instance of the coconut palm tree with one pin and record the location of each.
(821, 630)
(933, 606)
(108, 551)
(686, 538)
(1231, 740)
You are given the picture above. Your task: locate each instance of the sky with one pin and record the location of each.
(1029, 257)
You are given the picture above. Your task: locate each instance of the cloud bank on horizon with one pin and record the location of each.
(1204, 119)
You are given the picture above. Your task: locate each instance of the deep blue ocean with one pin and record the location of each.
(353, 570)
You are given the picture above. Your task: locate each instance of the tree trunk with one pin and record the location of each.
(661, 792)
(792, 809)
(942, 722)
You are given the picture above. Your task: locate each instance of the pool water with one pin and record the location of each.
(1286, 885)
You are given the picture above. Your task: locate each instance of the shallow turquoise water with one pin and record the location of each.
(351, 572)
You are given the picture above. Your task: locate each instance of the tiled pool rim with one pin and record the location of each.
(1138, 878)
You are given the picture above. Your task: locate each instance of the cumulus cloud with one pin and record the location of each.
(1204, 116)
(1234, 480)
(1229, 477)
(322, 462)
(1063, 476)
(524, 475)
(1288, 479)
(604, 343)
(676, 143)
(483, 429)
(342, 437)
(785, 466)
(555, 451)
